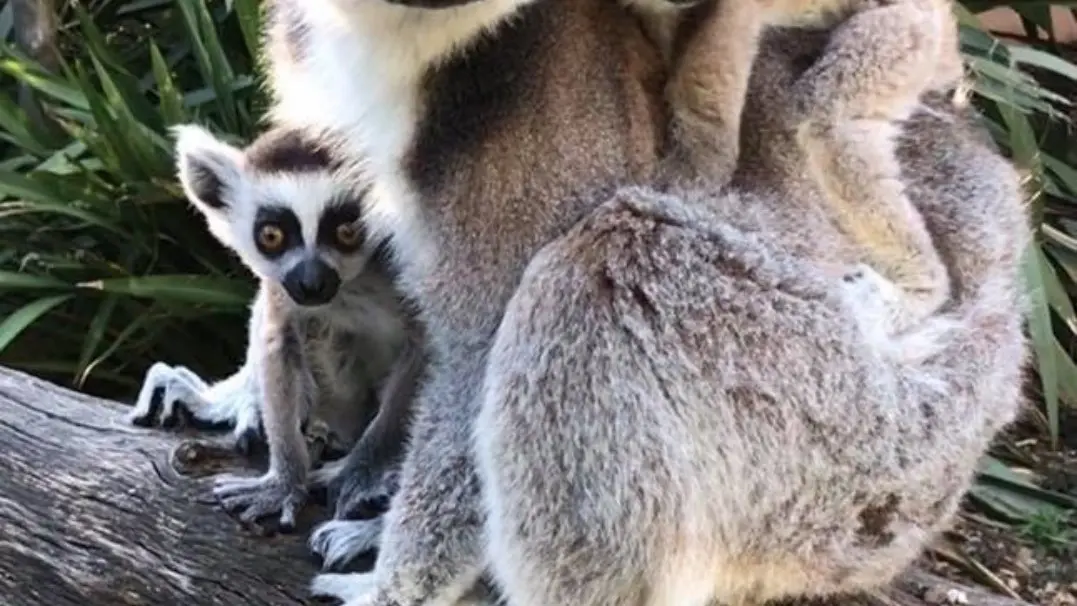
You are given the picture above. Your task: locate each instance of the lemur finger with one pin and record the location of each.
(288, 513)
(179, 395)
(190, 377)
(227, 487)
(148, 404)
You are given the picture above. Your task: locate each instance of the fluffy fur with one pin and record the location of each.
(679, 410)
(514, 135)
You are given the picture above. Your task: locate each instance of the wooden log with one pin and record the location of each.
(95, 512)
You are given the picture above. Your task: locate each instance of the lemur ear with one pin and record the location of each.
(208, 168)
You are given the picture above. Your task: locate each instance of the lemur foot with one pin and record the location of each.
(354, 589)
(261, 497)
(363, 589)
(339, 542)
(173, 396)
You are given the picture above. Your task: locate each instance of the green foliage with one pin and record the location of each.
(104, 268)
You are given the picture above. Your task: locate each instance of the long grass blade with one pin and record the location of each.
(22, 318)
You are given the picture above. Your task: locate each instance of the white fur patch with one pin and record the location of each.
(351, 588)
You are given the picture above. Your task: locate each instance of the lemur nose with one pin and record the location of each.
(312, 282)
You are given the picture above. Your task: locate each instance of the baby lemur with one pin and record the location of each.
(849, 104)
(327, 326)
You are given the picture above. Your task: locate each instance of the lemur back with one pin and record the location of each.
(328, 328)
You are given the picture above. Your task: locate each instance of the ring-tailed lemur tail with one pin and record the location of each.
(327, 329)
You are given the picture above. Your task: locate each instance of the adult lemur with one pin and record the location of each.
(327, 326)
(672, 405)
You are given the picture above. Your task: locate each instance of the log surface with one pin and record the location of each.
(95, 512)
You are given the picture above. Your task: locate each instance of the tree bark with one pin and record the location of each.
(96, 512)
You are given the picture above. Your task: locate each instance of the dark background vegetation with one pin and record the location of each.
(105, 269)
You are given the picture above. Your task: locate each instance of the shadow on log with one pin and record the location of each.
(95, 512)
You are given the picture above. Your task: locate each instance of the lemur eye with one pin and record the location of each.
(348, 234)
(270, 237)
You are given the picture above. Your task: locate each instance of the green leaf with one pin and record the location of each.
(121, 87)
(1055, 293)
(184, 288)
(248, 12)
(1038, 58)
(171, 101)
(1061, 171)
(212, 63)
(990, 469)
(124, 336)
(33, 196)
(94, 336)
(45, 84)
(1043, 339)
(16, 124)
(22, 318)
(17, 280)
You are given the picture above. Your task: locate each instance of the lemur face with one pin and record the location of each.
(283, 205)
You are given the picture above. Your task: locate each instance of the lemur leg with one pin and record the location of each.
(848, 104)
(707, 89)
(288, 389)
(369, 472)
(856, 165)
(876, 64)
(430, 551)
(361, 484)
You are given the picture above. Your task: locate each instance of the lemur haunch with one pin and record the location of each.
(327, 326)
